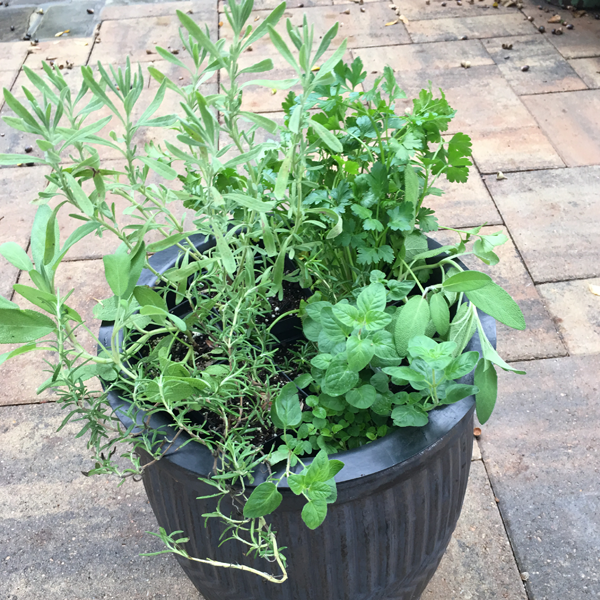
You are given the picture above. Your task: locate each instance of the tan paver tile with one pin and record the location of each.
(13, 141)
(60, 50)
(478, 562)
(362, 29)
(42, 486)
(132, 37)
(576, 311)
(416, 57)
(581, 42)
(588, 69)
(571, 122)
(204, 8)
(488, 26)
(520, 149)
(13, 55)
(540, 339)
(22, 375)
(476, 451)
(271, 4)
(19, 187)
(505, 135)
(7, 78)
(540, 449)
(464, 204)
(548, 70)
(553, 218)
(417, 11)
(483, 99)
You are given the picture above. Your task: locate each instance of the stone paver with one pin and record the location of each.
(540, 339)
(552, 216)
(13, 141)
(486, 26)
(132, 37)
(60, 51)
(417, 57)
(271, 4)
(112, 12)
(464, 204)
(576, 311)
(541, 451)
(7, 78)
(417, 11)
(73, 17)
(582, 41)
(514, 149)
(10, 275)
(19, 187)
(13, 56)
(548, 70)
(570, 120)
(588, 69)
(361, 29)
(14, 17)
(469, 92)
(478, 563)
(22, 375)
(66, 536)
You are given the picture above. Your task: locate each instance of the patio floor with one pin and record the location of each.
(530, 528)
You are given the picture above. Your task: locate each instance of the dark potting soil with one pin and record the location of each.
(210, 421)
(293, 294)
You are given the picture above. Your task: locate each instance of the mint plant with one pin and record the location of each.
(360, 390)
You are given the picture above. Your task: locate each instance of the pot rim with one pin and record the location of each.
(374, 457)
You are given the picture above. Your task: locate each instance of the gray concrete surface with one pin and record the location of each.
(542, 451)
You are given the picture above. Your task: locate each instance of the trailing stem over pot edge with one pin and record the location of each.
(340, 192)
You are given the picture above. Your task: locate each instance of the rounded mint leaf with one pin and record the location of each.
(262, 501)
(409, 416)
(362, 397)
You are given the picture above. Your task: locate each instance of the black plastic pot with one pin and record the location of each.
(399, 499)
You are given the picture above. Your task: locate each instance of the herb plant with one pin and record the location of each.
(334, 204)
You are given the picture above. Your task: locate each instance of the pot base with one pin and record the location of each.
(382, 540)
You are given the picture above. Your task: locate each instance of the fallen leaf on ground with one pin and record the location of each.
(392, 23)
(595, 289)
(403, 19)
(500, 176)
(555, 19)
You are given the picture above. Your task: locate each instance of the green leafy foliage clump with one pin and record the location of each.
(329, 207)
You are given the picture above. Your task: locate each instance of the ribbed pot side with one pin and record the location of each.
(382, 539)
